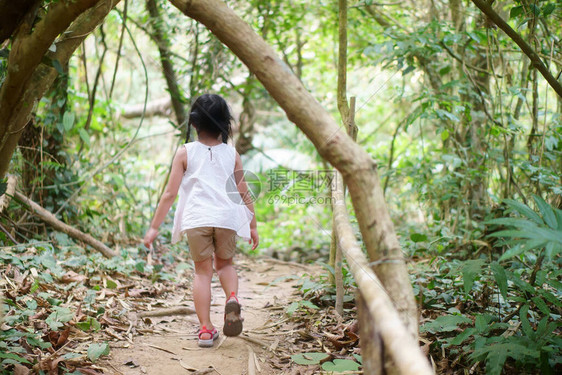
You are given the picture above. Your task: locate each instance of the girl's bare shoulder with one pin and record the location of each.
(181, 157)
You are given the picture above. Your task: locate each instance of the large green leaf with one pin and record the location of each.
(522, 247)
(14, 357)
(495, 362)
(537, 234)
(445, 323)
(546, 211)
(524, 210)
(84, 136)
(68, 120)
(512, 221)
(525, 324)
(521, 284)
(340, 365)
(510, 348)
(501, 278)
(461, 337)
(541, 305)
(58, 317)
(470, 270)
(558, 214)
(96, 350)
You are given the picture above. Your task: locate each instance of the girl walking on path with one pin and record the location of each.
(214, 207)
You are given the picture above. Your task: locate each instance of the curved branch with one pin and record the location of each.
(487, 9)
(356, 165)
(401, 346)
(51, 219)
(26, 80)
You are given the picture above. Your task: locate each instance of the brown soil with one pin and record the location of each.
(169, 344)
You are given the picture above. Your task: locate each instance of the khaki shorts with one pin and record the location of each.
(205, 241)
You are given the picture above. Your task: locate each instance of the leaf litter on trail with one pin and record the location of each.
(63, 309)
(314, 337)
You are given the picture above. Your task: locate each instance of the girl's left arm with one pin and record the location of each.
(179, 165)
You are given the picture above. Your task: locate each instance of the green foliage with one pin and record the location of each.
(531, 230)
(96, 350)
(341, 365)
(446, 323)
(89, 324)
(337, 365)
(285, 210)
(309, 358)
(451, 97)
(58, 317)
(510, 308)
(41, 277)
(300, 305)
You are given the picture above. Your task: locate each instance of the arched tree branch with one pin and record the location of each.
(27, 78)
(332, 142)
(487, 9)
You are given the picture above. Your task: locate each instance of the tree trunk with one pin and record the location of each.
(246, 120)
(357, 167)
(12, 14)
(343, 107)
(164, 48)
(26, 80)
(370, 341)
(399, 352)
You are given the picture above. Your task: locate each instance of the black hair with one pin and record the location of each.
(210, 114)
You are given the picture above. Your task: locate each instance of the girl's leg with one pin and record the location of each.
(202, 293)
(227, 275)
(225, 247)
(229, 281)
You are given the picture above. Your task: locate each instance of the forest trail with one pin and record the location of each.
(169, 345)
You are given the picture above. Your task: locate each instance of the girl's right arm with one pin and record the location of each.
(179, 165)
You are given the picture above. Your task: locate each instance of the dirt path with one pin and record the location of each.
(266, 288)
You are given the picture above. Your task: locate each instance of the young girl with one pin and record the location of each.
(207, 212)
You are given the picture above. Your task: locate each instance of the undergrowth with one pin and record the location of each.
(498, 311)
(63, 305)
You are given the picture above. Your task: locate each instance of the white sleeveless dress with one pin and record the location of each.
(208, 196)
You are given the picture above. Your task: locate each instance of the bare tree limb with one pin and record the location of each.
(164, 48)
(58, 225)
(180, 310)
(8, 234)
(487, 9)
(398, 342)
(157, 107)
(92, 94)
(343, 107)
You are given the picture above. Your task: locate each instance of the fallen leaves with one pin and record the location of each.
(313, 339)
(63, 310)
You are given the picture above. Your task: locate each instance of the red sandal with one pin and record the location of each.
(232, 318)
(209, 342)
